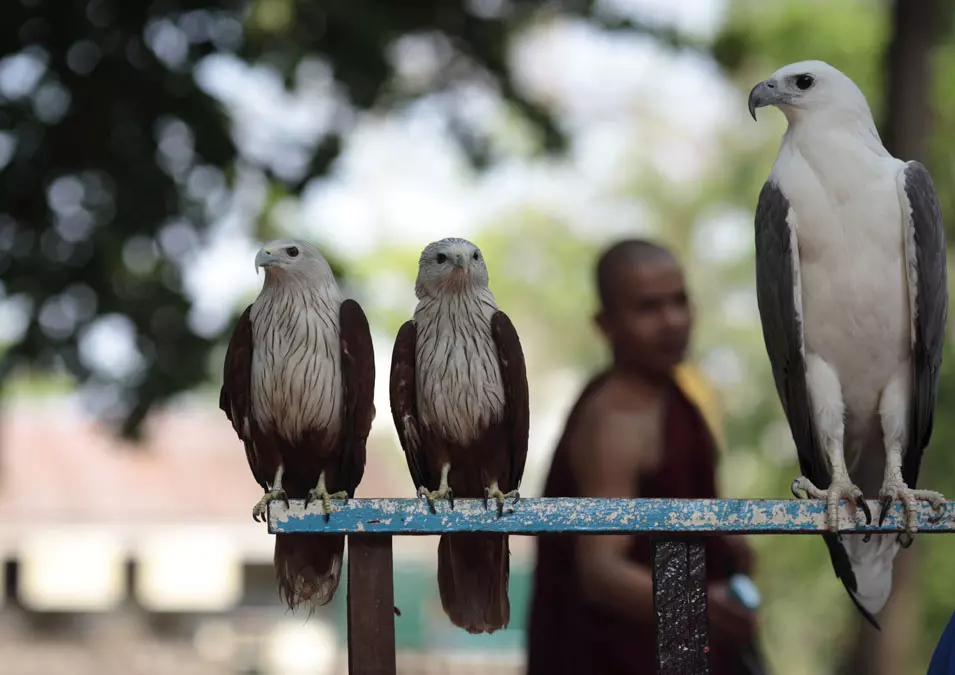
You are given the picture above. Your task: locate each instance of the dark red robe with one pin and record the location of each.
(567, 635)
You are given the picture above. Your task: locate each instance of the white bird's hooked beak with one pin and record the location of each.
(765, 93)
(263, 259)
(461, 260)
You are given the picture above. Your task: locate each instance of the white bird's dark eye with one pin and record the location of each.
(441, 258)
(476, 255)
(804, 81)
(292, 251)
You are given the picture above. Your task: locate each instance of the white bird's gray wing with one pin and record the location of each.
(777, 279)
(778, 296)
(931, 301)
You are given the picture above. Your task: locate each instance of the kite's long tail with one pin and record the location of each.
(308, 568)
(472, 580)
(869, 580)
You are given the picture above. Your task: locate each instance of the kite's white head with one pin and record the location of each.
(450, 266)
(293, 260)
(811, 89)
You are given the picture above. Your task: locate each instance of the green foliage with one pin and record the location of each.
(763, 36)
(105, 143)
(942, 130)
(356, 38)
(120, 161)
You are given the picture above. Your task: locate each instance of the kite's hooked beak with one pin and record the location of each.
(461, 260)
(263, 259)
(763, 94)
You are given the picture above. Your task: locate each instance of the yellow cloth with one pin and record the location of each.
(704, 395)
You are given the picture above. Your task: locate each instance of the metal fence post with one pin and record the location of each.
(371, 605)
(679, 602)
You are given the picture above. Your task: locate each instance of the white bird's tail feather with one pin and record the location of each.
(872, 565)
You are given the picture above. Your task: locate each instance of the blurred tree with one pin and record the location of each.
(111, 163)
(114, 161)
(385, 54)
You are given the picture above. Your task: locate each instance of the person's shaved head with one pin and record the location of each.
(621, 257)
(645, 313)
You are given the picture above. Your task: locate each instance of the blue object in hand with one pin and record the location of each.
(943, 660)
(745, 591)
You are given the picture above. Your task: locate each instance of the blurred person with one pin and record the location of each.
(632, 433)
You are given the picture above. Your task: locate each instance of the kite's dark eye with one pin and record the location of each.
(441, 258)
(476, 255)
(804, 81)
(292, 251)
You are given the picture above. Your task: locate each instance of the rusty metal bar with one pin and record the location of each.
(371, 606)
(679, 603)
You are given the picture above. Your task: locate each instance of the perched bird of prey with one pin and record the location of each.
(853, 296)
(297, 385)
(459, 401)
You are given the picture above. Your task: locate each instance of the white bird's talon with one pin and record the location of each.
(898, 490)
(804, 484)
(939, 508)
(837, 491)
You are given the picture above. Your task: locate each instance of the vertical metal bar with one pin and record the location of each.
(679, 602)
(371, 605)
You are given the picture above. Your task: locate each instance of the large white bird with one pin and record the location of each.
(853, 296)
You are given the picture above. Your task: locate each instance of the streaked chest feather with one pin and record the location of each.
(460, 389)
(296, 364)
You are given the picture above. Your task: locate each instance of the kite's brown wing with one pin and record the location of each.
(235, 397)
(358, 379)
(404, 405)
(517, 404)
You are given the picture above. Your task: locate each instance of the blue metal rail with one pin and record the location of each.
(676, 526)
(593, 516)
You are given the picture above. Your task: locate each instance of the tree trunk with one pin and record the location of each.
(904, 133)
(909, 77)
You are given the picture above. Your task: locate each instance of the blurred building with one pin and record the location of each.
(125, 560)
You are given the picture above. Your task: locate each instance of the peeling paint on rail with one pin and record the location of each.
(548, 515)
